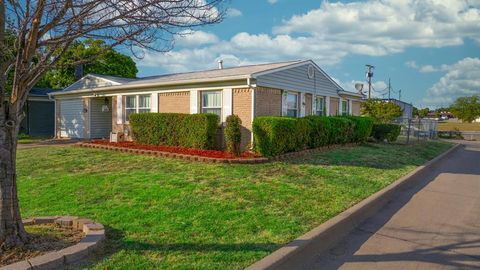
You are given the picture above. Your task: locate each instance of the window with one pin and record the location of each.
(292, 105)
(212, 102)
(320, 106)
(345, 108)
(136, 104)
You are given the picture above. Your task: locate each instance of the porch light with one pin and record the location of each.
(105, 106)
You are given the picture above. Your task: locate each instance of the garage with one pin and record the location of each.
(71, 118)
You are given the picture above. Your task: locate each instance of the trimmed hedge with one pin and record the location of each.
(274, 135)
(390, 132)
(233, 134)
(175, 129)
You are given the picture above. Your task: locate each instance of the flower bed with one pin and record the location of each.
(178, 150)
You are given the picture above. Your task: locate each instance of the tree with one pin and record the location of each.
(466, 109)
(95, 57)
(44, 31)
(381, 111)
(422, 113)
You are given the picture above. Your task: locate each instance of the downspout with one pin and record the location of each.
(253, 109)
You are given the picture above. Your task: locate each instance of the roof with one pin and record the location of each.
(41, 91)
(232, 73)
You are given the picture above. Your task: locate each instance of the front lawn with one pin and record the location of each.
(460, 126)
(165, 213)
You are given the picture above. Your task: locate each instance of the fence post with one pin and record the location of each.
(408, 130)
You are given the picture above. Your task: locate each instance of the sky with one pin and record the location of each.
(429, 49)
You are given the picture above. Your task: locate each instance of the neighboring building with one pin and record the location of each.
(96, 105)
(407, 108)
(39, 110)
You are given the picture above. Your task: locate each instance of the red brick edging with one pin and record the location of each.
(257, 160)
(73, 255)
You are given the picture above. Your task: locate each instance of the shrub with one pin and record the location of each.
(174, 129)
(341, 131)
(390, 132)
(233, 134)
(277, 135)
(319, 131)
(363, 127)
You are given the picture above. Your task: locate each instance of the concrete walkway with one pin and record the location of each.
(434, 225)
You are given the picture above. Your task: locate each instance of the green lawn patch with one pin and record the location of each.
(165, 213)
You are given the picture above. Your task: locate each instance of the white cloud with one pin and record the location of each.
(196, 38)
(233, 12)
(272, 1)
(335, 30)
(460, 80)
(411, 64)
(428, 69)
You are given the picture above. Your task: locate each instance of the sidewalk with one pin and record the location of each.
(435, 225)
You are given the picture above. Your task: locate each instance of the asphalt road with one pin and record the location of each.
(434, 225)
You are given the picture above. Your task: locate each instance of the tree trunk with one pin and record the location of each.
(12, 232)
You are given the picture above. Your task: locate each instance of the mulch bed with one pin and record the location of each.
(177, 150)
(42, 239)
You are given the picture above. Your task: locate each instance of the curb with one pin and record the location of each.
(69, 256)
(329, 233)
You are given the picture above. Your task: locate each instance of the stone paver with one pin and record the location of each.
(435, 225)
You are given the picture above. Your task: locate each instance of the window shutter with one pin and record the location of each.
(119, 110)
(193, 101)
(284, 103)
(227, 103)
(302, 104)
(327, 106)
(154, 103)
(314, 105)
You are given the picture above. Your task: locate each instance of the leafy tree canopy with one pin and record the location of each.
(96, 57)
(466, 109)
(381, 111)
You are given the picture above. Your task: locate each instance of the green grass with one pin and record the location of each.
(164, 213)
(452, 126)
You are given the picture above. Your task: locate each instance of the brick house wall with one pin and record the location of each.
(242, 106)
(356, 107)
(176, 102)
(268, 101)
(308, 104)
(334, 106)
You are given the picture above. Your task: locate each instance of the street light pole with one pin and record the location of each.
(369, 77)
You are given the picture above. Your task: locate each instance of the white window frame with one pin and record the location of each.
(324, 105)
(202, 107)
(137, 107)
(297, 109)
(344, 112)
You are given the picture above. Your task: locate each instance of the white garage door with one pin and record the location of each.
(71, 111)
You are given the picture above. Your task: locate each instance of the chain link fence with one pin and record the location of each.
(417, 129)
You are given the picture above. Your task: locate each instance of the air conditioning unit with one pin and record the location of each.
(116, 137)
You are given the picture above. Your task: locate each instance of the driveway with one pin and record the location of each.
(44, 143)
(435, 225)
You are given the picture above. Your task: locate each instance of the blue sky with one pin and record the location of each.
(430, 48)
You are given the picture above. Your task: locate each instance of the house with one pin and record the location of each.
(407, 108)
(39, 110)
(96, 105)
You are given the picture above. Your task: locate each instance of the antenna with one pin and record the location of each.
(359, 87)
(369, 75)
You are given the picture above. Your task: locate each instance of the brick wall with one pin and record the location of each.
(308, 104)
(177, 102)
(242, 106)
(268, 101)
(356, 107)
(334, 106)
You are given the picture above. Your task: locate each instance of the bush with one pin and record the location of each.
(390, 132)
(363, 127)
(175, 129)
(233, 134)
(277, 135)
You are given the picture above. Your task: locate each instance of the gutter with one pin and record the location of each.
(148, 85)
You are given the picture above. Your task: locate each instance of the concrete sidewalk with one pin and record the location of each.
(434, 225)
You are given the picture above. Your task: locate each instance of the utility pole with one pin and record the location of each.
(389, 88)
(369, 77)
(400, 94)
